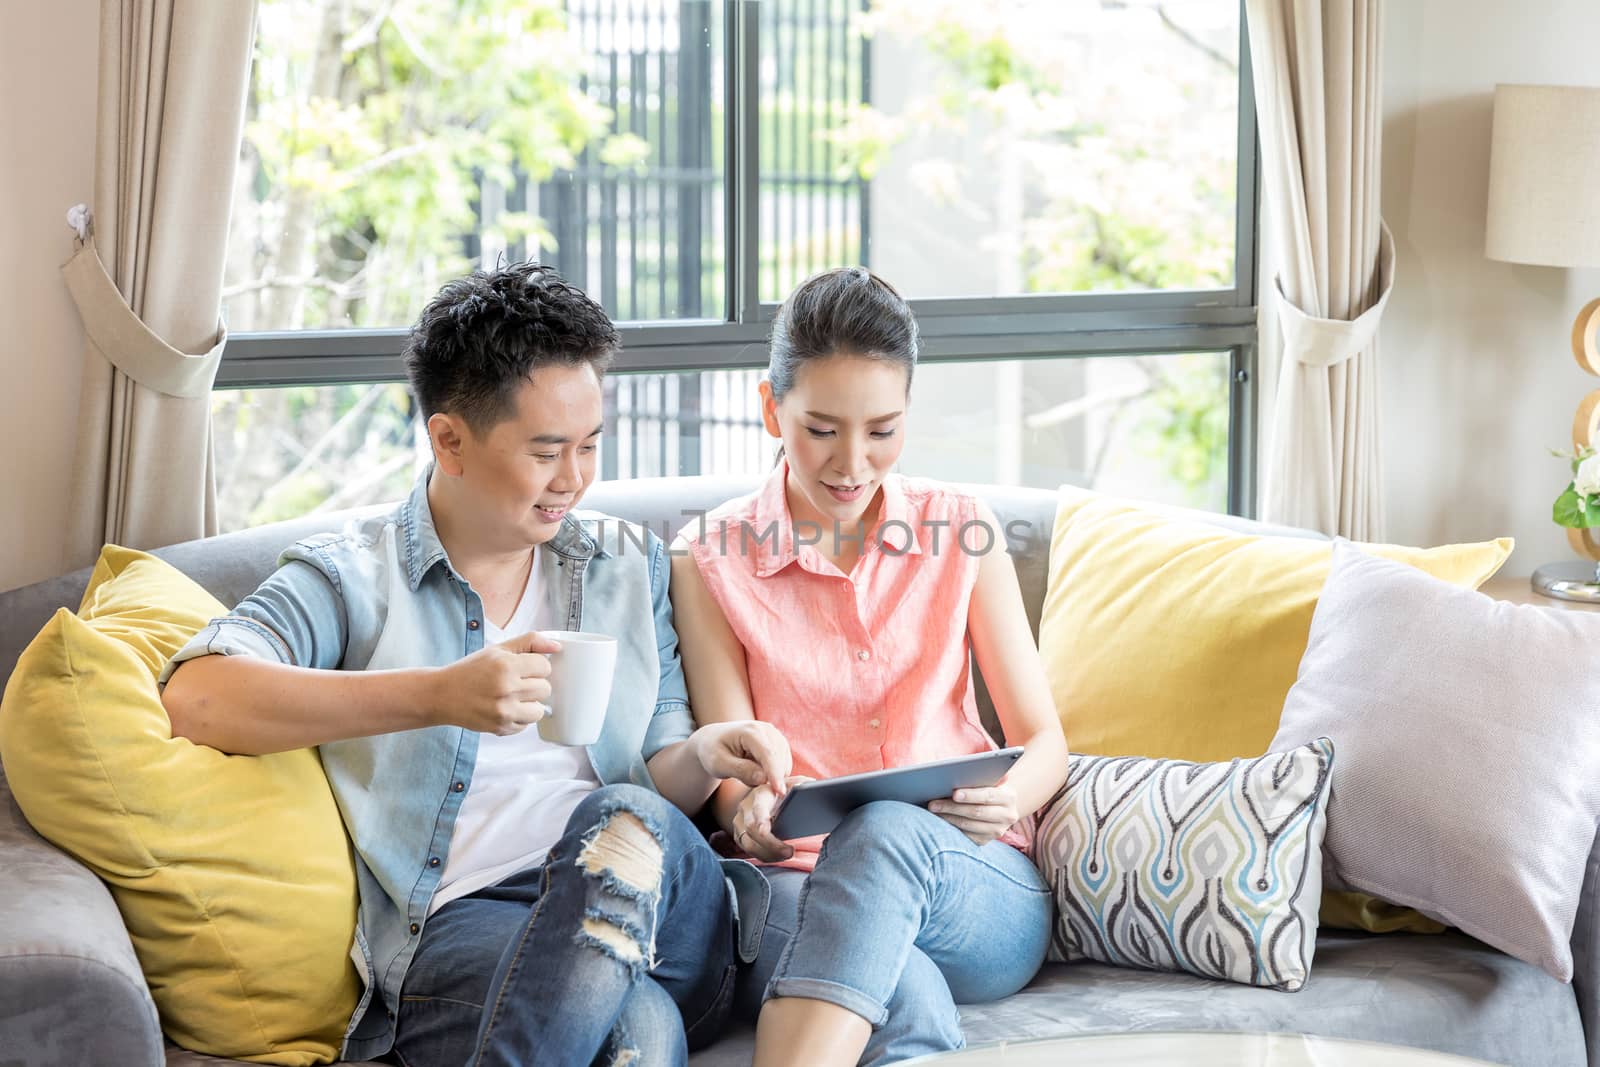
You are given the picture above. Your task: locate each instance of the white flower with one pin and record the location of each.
(1587, 480)
(81, 219)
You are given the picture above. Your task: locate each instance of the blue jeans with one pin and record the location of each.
(903, 918)
(620, 942)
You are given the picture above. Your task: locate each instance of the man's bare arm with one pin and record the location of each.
(248, 706)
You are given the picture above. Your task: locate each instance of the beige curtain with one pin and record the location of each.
(1318, 67)
(147, 281)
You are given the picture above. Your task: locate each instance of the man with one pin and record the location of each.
(521, 901)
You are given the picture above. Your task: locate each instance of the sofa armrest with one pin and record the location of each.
(1586, 954)
(69, 980)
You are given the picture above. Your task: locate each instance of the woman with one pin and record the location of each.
(839, 603)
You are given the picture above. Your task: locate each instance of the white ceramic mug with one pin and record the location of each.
(580, 687)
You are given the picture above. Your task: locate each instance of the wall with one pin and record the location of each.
(47, 115)
(1477, 377)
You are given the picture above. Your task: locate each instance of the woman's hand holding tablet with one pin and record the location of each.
(816, 807)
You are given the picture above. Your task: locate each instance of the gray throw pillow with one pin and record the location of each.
(1469, 751)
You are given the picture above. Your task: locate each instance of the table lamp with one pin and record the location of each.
(1544, 209)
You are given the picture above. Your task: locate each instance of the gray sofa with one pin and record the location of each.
(71, 992)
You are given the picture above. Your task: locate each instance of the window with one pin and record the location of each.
(980, 150)
(1065, 189)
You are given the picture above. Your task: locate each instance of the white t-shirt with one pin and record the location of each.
(523, 787)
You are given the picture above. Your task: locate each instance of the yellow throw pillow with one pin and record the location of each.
(1172, 638)
(1176, 639)
(233, 873)
(1362, 911)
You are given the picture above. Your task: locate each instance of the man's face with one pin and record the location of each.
(532, 467)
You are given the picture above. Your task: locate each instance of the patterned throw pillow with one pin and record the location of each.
(1210, 868)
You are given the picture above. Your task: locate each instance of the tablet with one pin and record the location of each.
(817, 807)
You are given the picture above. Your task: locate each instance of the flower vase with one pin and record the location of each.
(1584, 542)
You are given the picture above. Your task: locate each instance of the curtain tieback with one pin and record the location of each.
(1317, 342)
(126, 342)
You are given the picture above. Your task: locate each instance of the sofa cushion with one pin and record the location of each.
(1469, 751)
(1210, 868)
(1170, 637)
(1176, 639)
(1447, 993)
(232, 873)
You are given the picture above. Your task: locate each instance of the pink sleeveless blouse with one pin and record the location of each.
(864, 671)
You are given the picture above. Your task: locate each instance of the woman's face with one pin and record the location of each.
(843, 427)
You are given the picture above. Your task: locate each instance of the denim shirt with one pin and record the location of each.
(382, 594)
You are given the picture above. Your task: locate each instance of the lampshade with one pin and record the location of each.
(1544, 176)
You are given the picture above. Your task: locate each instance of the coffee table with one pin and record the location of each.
(1194, 1049)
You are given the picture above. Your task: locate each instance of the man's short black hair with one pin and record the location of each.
(485, 334)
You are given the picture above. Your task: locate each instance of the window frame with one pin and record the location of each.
(1041, 326)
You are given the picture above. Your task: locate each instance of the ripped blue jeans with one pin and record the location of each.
(618, 951)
